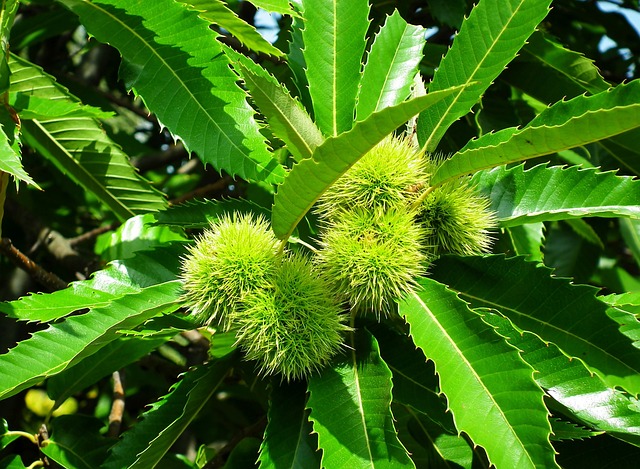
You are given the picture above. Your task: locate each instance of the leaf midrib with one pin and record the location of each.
(427, 144)
(591, 345)
(166, 65)
(474, 374)
(356, 376)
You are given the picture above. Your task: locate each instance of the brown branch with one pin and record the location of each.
(117, 407)
(47, 279)
(217, 186)
(91, 234)
(56, 245)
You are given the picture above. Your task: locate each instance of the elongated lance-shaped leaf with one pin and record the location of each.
(310, 178)
(564, 430)
(10, 162)
(415, 383)
(147, 442)
(77, 145)
(488, 40)
(527, 240)
(334, 38)
(173, 60)
(288, 441)
(112, 357)
(391, 65)
(287, 119)
(568, 315)
(362, 434)
(63, 344)
(564, 125)
(295, 61)
(569, 382)
(216, 12)
(572, 66)
(489, 388)
(542, 193)
(76, 442)
(549, 72)
(120, 278)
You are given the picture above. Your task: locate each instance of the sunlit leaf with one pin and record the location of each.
(543, 193)
(488, 40)
(362, 433)
(564, 125)
(568, 315)
(337, 31)
(489, 388)
(164, 42)
(310, 178)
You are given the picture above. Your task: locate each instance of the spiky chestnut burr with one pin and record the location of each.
(383, 178)
(459, 219)
(293, 328)
(235, 256)
(373, 258)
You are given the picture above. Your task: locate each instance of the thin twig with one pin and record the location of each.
(91, 234)
(204, 190)
(117, 407)
(45, 278)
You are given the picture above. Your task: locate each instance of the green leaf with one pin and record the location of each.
(362, 433)
(200, 213)
(568, 315)
(112, 357)
(8, 12)
(162, 42)
(12, 462)
(287, 118)
(310, 178)
(6, 438)
(297, 64)
(571, 65)
(527, 240)
(391, 64)
(585, 396)
(564, 125)
(415, 383)
(431, 446)
(488, 40)
(135, 234)
(216, 12)
(630, 230)
(276, 6)
(31, 106)
(10, 161)
(63, 344)
(76, 442)
(335, 39)
(120, 278)
(489, 388)
(287, 439)
(549, 72)
(542, 193)
(148, 441)
(80, 149)
(563, 430)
